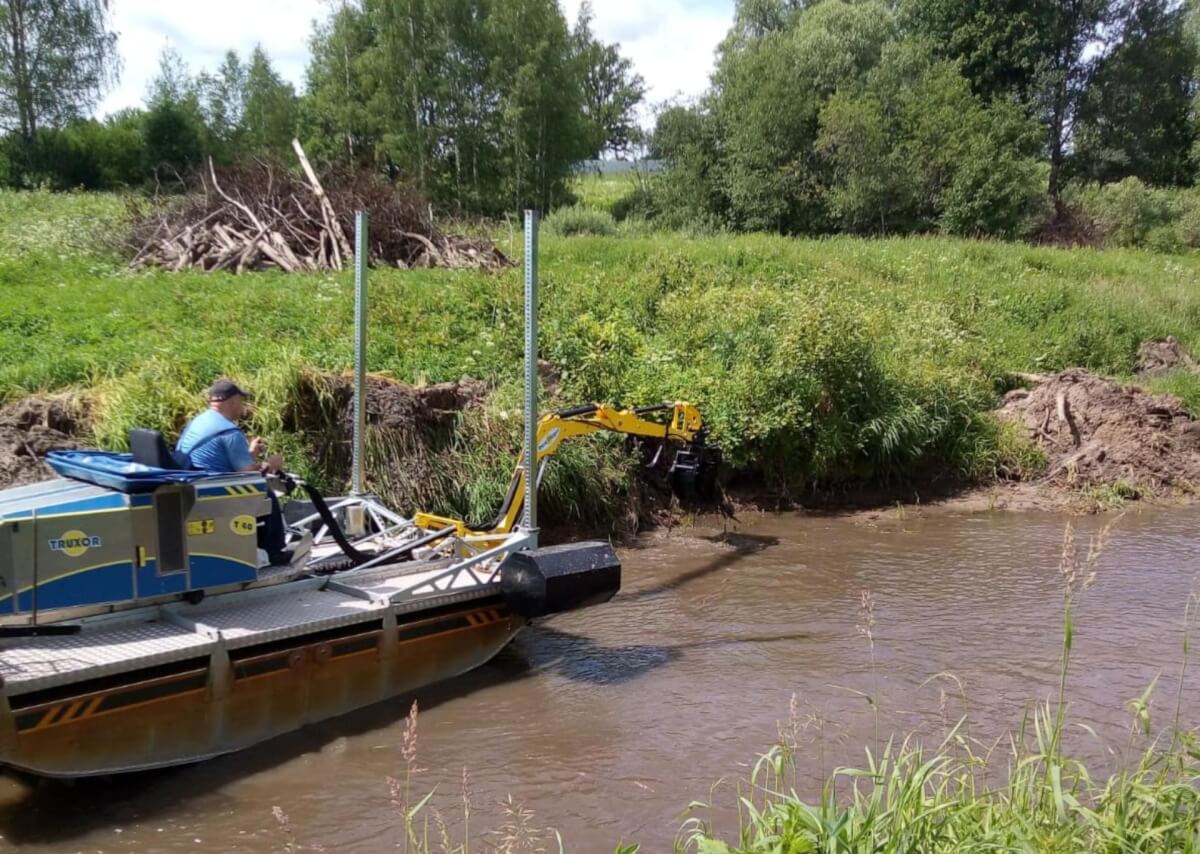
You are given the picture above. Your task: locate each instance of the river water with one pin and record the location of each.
(607, 723)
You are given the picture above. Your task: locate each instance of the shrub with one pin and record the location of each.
(1131, 214)
(638, 203)
(576, 221)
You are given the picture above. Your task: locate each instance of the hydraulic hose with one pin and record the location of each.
(335, 530)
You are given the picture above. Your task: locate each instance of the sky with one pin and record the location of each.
(671, 42)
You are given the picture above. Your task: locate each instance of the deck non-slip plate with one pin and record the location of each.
(180, 631)
(31, 664)
(286, 614)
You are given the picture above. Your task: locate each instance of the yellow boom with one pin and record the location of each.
(683, 427)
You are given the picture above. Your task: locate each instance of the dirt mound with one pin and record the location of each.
(1095, 430)
(31, 428)
(1161, 356)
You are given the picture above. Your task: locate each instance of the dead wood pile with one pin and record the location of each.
(260, 216)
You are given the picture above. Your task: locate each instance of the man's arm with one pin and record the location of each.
(246, 452)
(238, 451)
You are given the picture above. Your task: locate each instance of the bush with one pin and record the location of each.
(577, 221)
(638, 203)
(1129, 213)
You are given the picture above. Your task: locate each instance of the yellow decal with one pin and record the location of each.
(201, 527)
(243, 526)
(75, 543)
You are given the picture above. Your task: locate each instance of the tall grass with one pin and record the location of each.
(814, 361)
(960, 795)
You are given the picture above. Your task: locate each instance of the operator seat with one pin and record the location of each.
(150, 449)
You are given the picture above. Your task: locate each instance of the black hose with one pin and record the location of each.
(339, 537)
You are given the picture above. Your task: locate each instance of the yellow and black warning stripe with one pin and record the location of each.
(451, 623)
(94, 705)
(243, 490)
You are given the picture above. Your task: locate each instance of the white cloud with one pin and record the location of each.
(202, 32)
(671, 42)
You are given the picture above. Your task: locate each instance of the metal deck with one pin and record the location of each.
(151, 636)
(285, 613)
(31, 664)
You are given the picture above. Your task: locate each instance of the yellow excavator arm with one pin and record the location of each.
(683, 427)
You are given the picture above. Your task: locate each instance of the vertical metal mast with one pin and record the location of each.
(530, 522)
(358, 460)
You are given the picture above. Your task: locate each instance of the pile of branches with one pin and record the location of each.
(261, 216)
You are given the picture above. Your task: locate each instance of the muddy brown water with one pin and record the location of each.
(606, 723)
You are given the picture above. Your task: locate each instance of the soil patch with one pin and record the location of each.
(328, 400)
(1160, 356)
(1098, 431)
(31, 428)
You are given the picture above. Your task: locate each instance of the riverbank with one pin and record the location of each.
(836, 365)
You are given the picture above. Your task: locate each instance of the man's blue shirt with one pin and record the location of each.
(214, 443)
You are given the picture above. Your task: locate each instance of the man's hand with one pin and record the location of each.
(274, 463)
(257, 447)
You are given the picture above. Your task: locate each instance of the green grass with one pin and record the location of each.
(813, 360)
(602, 192)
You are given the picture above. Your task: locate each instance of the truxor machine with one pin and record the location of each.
(140, 627)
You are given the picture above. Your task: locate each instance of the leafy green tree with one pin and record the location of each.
(910, 150)
(766, 97)
(269, 113)
(1079, 38)
(1135, 118)
(1042, 52)
(483, 105)
(338, 124)
(411, 45)
(690, 191)
(542, 129)
(56, 58)
(173, 129)
(222, 102)
(612, 91)
(1002, 44)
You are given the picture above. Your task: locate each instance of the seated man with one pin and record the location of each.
(213, 442)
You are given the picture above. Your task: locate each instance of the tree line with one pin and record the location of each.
(966, 117)
(482, 105)
(866, 116)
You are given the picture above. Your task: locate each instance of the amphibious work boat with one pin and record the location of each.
(140, 627)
